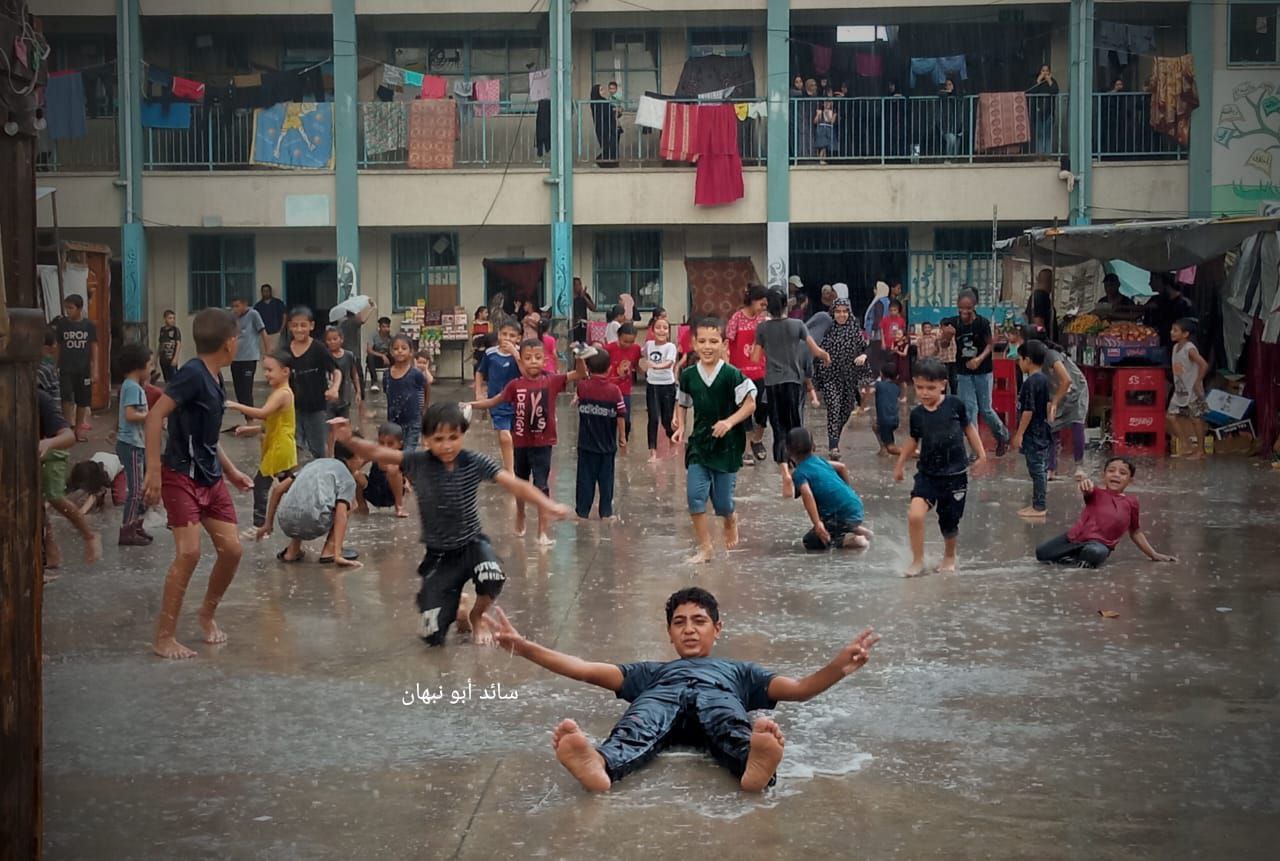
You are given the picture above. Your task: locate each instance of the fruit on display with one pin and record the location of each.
(1129, 332)
(1086, 324)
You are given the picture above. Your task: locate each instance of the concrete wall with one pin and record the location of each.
(229, 199)
(88, 200)
(1151, 190)
(454, 198)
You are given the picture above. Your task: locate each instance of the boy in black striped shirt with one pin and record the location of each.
(445, 479)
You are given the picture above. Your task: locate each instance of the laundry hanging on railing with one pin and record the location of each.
(651, 111)
(165, 115)
(433, 87)
(868, 65)
(1003, 126)
(719, 177)
(64, 106)
(1124, 40)
(161, 85)
(433, 133)
(487, 94)
(938, 68)
(702, 75)
(1174, 95)
(821, 60)
(463, 90)
(542, 127)
(539, 85)
(386, 127)
(679, 132)
(392, 76)
(297, 135)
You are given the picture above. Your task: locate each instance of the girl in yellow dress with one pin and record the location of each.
(279, 446)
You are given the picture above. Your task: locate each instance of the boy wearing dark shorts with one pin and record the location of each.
(445, 479)
(77, 363)
(939, 427)
(833, 506)
(696, 699)
(191, 478)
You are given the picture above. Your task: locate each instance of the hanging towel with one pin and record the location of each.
(923, 66)
(1173, 96)
(539, 85)
(868, 65)
(650, 112)
(948, 66)
(392, 76)
(463, 89)
(1003, 126)
(433, 87)
(413, 79)
(719, 178)
(385, 127)
(433, 131)
(542, 127)
(487, 95)
(165, 115)
(759, 110)
(1112, 37)
(188, 90)
(246, 82)
(821, 59)
(64, 106)
(679, 132)
(158, 76)
(385, 93)
(740, 110)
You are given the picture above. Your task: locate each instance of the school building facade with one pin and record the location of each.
(911, 184)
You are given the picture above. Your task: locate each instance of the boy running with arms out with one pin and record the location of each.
(696, 699)
(191, 479)
(445, 478)
(939, 427)
(722, 399)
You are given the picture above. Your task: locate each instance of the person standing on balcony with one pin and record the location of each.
(1043, 104)
(804, 110)
(605, 118)
(824, 129)
(271, 310)
(950, 118)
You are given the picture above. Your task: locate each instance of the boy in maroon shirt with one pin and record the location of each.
(533, 428)
(1108, 515)
(624, 358)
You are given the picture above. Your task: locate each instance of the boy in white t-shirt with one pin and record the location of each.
(658, 361)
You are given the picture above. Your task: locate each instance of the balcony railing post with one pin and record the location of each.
(970, 128)
(208, 124)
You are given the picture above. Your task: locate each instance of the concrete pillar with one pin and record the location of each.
(345, 175)
(561, 177)
(1201, 25)
(133, 238)
(1080, 108)
(778, 176)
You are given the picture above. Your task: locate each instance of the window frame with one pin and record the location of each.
(629, 270)
(429, 238)
(222, 271)
(1232, 5)
(625, 73)
(693, 32)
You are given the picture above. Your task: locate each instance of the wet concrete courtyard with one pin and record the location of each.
(1001, 715)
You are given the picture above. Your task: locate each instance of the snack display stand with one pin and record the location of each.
(438, 333)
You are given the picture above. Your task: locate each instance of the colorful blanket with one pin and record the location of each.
(296, 135)
(1003, 126)
(386, 127)
(679, 132)
(1174, 95)
(433, 129)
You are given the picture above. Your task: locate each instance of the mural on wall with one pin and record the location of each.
(1246, 152)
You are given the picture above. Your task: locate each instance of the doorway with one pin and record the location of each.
(515, 281)
(313, 283)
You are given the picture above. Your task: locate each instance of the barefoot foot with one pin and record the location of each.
(766, 753)
(400, 512)
(856, 542)
(948, 565)
(545, 540)
(704, 554)
(731, 532)
(347, 563)
(212, 633)
(520, 523)
(172, 649)
(93, 548)
(916, 569)
(583, 761)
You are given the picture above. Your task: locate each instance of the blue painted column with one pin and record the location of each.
(561, 178)
(1201, 26)
(778, 175)
(1080, 109)
(133, 238)
(346, 179)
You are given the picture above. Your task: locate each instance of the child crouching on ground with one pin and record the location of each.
(888, 396)
(445, 479)
(317, 502)
(834, 507)
(1109, 514)
(384, 487)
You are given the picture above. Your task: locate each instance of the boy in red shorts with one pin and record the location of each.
(191, 479)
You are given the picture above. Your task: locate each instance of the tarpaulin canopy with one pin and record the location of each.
(1158, 246)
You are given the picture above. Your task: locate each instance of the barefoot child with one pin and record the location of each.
(406, 390)
(1033, 436)
(722, 399)
(783, 343)
(169, 346)
(445, 479)
(77, 363)
(624, 359)
(533, 429)
(1109, 514)
(658, 364)
(695, 699)
(316, 502)
(351, 392)
(191, 479)
(939, 428)
(888, 395)
(384, 487)
(315, 380)
(833, 506)
(377, 356)
(134, 361)
(55, 438)
(499, 367)
(1187, 406)
(602, 432)
(279, 446)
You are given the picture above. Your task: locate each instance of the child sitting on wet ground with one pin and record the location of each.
(1109, 513)
(385, 484)
(696, 699)
(446, 478)
(833, 506)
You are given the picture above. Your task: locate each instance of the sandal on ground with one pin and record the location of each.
(347, 553)
(281, 556)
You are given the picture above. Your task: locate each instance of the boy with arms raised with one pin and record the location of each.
(191, 479)
(696, 699)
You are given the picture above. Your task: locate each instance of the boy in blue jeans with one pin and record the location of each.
(722, 399)
(833, 506)
(1033, 436)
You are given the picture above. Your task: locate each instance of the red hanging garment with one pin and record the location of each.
(719, 178)
(679, 140)
(187, 90)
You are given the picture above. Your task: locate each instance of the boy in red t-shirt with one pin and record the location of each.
(1108, 515)
(533, 427)
(624, 358)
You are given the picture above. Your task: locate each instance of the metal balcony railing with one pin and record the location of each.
(1122, 130)
(219, 138)
(507, 138)
(637, 145)
(97, 151)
